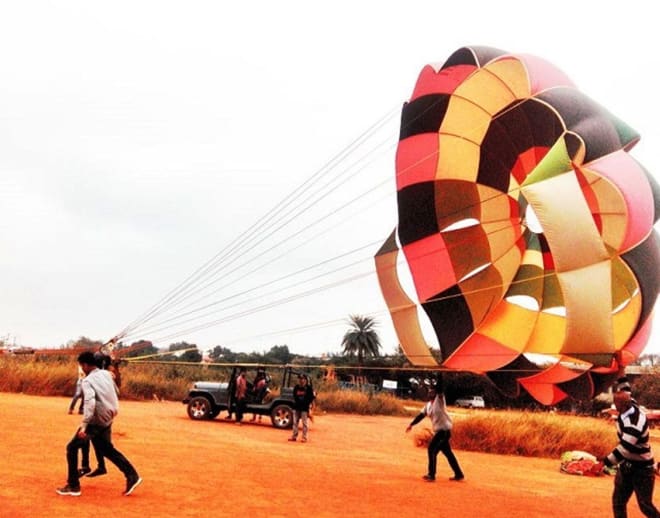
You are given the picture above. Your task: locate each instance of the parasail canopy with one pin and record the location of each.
(526, 225)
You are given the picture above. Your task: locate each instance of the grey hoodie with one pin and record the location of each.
(101, 401)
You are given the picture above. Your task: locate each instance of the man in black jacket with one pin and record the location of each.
(303, 395)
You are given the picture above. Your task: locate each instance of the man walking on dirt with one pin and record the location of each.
(101, 405)
(303, 395)
(436, 410)
(636, 469)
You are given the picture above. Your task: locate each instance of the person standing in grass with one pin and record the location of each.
(636, 468)
(436, 410)
(101, 405)
(303, 395)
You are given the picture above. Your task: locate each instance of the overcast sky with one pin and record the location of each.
(138, 139)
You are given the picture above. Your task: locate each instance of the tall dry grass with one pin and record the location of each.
(528, 434)
(31, 375)
(353, 402)
(533, 434)
(56, 376)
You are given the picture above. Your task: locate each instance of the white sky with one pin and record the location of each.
(139, 138)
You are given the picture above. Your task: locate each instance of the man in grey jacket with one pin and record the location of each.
(101, 405)
(436, 410)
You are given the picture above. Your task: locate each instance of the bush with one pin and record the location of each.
(355, 402)
(646, 390)
(29, 375)
(533, 434)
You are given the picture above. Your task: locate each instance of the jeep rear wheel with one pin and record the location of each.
(199, 408)
(282, 416)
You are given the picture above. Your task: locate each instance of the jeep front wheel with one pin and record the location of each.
(199, 408)
(282, 416)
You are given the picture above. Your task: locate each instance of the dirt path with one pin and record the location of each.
(352, 466)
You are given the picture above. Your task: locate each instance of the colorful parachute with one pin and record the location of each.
(526, 225)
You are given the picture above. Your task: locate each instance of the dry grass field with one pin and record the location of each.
(352, 466)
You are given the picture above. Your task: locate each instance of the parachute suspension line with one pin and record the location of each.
(209, 265)
(177, 295)
(301, 295)
(283, 254)
(284, 240)
(348, 203)
(328, 261)
(416, 370)
(292, 330)
(264, 307)
(158, 326)
(305, 186)
(249, 244)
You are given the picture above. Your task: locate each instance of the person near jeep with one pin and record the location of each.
(303, 396)
(241, 394)
(259, 390)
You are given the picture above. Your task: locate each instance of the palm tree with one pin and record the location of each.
(361, 339)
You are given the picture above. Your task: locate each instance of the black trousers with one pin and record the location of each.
(440, 443)
(241, 404)
(84, 461)
(639, 480)
(102, 442)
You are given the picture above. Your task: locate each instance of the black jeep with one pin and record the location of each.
(207, 399)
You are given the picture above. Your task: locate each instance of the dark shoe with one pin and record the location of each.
(131, 484)
(457, 478)
(429, 478)
(68, 491)
(304, 439)
(292, 439)
(83, 471)
(97, 473)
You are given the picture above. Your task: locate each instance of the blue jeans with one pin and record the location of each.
(639, 480)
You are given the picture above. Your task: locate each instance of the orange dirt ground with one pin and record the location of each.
(352, 466)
